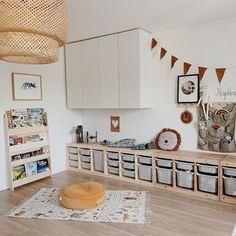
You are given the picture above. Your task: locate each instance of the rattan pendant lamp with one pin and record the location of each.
(31, 31)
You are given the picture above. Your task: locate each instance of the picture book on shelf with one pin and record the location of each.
(19, 118)
(42, 165)
(18, 172)
(31, 168)
(15, 140)
(35, 116)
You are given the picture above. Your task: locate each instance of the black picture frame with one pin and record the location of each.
(188, 88)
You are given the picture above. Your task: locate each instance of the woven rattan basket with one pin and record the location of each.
(31, 31)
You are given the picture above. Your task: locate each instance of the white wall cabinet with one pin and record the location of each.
(109, 74)
(113, 71)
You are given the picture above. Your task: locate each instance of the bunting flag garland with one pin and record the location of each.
(186, 67)
(162, 53)
(220, 73)
(173, 61)
(154, 43)
(201, 71)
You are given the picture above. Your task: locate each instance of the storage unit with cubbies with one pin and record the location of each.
(207, 175)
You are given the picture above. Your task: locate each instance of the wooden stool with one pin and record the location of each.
(84, 195)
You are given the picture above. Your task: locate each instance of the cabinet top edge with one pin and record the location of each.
(100, 36)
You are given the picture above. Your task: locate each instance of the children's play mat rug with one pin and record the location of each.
(119, 207)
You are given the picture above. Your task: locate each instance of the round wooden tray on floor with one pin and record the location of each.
(84, 195)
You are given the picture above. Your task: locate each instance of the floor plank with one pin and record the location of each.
(172, 214)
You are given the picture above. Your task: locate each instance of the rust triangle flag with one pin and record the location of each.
(201, 71)
(154, 43)
(220, 73)
(186, 67)
(162, 53)
(173, 61)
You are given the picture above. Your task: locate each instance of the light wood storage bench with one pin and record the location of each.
(207, 175)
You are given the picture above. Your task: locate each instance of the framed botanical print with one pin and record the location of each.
(188, 88)
(26, 86)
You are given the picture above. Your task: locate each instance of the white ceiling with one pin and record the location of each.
(90, 18)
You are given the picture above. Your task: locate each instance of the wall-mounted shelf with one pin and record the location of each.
(28, 149)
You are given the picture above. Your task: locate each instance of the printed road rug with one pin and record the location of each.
(119, 207)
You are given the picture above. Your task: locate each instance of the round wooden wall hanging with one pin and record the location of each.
(186, 117)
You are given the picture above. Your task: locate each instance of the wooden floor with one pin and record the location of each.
(172, 214)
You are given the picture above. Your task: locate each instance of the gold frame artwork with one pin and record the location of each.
(26, 87)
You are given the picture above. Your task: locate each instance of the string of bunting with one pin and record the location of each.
(186, 66)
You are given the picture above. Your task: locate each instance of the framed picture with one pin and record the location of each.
(26, 86)
(188, 88)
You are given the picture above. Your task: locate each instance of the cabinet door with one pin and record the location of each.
(91, 84)
(108, 67)
(74, 74)
(129, 69)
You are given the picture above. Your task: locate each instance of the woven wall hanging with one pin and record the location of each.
(31, 32)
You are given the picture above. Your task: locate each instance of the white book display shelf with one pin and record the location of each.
(28, 151)
(206, 175)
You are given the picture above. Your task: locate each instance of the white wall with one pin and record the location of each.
(60, 119)
(210, 45)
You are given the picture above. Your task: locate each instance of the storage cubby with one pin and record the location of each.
(207, 175)
(228, 179)
(128, 165)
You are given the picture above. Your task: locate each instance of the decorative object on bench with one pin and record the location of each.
(119, 207)
(123, 143)
(144, 146)
(91, 137)
(32, 31)
(79, 134)
(84, 195)
(217, 132)
(168, 139)
(105, 142)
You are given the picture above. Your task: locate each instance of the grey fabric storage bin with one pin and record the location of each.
(184, 179)
(145, 159)
(86, 165)
(184, 165)
(73, 157)
(98, 157)
(113, 155)
(84, 151)
(207, 169)
(73, 163)
(127, 157)
(85, 158)
(113, 170)
(128, 173)
(207, 183)
(128, 165)
(73, 150)
(145, 172)
(164, 175)
(113, 163)
(164, 162)
(229, 171)
(229, 186)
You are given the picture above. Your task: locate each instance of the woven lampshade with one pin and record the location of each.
(31, 31)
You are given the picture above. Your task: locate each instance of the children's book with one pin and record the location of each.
(31, 168)
(18, 172)
(42, 165)
(19, 118)
(35, 116)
